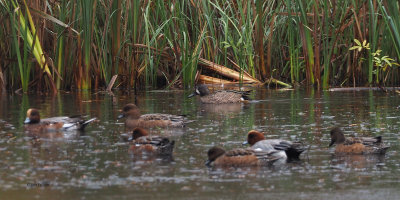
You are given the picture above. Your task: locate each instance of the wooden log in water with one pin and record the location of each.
(212, 80)
(229, 73)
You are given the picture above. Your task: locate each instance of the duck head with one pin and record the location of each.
(130, 110)
(337, 136)
(253, 137)
(32, 116)
(213, 154)
(138, 132)
(201, 90)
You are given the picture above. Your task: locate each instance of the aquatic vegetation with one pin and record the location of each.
(65, 45)
(380, 62)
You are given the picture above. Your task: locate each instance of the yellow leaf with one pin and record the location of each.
(357, 42)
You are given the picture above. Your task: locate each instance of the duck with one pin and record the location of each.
(239, 157)
(62, 123)
(220, 96)
(142, 143)
(134, 119)
(356, 146)
(285, 150)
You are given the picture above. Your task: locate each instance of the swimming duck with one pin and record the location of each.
(153, 145)
(34, 123)
(360, 145)
(220, 96)
(284, 150)
(239, 157)
(135, 119)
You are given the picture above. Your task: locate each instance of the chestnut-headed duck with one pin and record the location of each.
(152, 145)
(134, 119)
(284, 150)
(357, 146)
(34, 123)
(220, 96)
(239, 157)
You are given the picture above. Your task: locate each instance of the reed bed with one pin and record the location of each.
(51, 45)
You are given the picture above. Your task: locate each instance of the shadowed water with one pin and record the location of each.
(96, 164)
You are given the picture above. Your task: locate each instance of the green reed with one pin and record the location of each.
(82, 44)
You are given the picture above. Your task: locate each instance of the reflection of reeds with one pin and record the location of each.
(146, 42)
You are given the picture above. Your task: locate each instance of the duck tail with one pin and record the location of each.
(294, 151)
(85, 123)
(245, 95)
(378, 139)
(166, 147)
(382, 150)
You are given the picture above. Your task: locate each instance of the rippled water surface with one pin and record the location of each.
(96, 164)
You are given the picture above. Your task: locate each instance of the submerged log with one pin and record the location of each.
(235, 75)
(229, 73)
(211, 80)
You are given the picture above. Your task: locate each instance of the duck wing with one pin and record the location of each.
(68, 123)
(164, 119)
(264, 156)
(239, 152)
(244, 94)
(162, 145)
(158, 116)
(367, 141)
(267, 156)
(374, 145)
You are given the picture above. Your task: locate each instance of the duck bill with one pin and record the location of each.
(208, 163)
(332, 142)
(245, 143)
(121, 116)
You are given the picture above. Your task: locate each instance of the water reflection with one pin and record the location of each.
(97, 164)
(224, 109)
(361, 162)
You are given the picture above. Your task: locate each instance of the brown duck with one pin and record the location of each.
(360, 145)
(239, 157)
(134, 119)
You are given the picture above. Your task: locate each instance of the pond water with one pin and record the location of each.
(96, 164)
